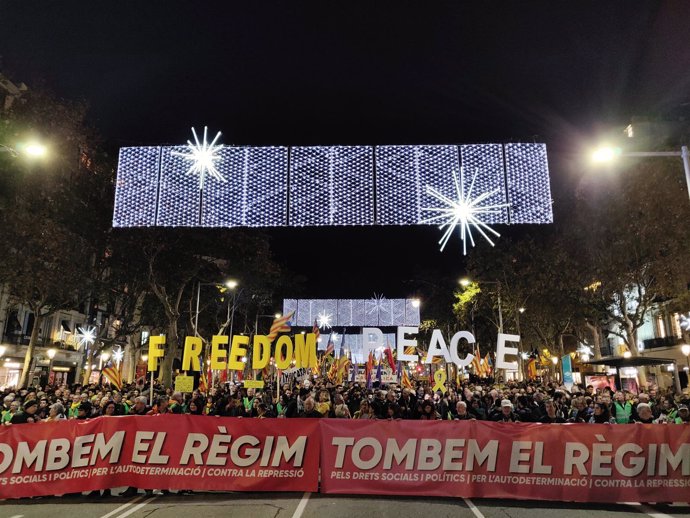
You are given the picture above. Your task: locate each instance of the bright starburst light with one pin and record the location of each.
(86, 335)
(324, 320)
(203, 156)
(118, 356)
(463, 213)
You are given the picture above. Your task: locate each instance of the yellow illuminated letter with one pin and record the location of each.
(218, 355)
(305, 351)
(283, 360)
(192, 351)
(262, 352)
(155, 352)
(237, 351)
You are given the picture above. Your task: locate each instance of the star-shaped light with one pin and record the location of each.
(203, 156)
(118, 355)
(324, 320)
(86, 335)
(463, 212)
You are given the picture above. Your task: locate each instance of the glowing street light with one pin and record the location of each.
(35, 150)
(607, 154)
(231, 284)
(51, 353)
(627, 354)
(416, 303)
(685, 349)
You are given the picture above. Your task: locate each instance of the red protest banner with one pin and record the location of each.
(159, 452)
(574, 462)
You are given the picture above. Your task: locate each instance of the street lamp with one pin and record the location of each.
(30, 149)
(607, 154)
(416, 303)
(51, 354)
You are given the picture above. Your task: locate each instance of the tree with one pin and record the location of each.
(46, 264)
(637, 251)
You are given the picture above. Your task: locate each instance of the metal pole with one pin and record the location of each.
(151, 391)
(676, 377)
(232, 321)
(500, 313)
(686, 165)
(196, 315)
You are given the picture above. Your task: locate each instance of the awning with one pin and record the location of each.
(619, 361)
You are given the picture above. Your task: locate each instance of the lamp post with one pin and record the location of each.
(685, 349)
(51, 354)
(608, 154)
(554, 360)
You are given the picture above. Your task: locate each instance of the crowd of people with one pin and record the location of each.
(317, 398)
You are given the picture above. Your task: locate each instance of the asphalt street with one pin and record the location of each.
(306, 505)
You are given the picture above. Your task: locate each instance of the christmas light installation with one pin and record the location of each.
(118, 355)
(324, 320)
(203, 157)
(86, 336)
(463, 213)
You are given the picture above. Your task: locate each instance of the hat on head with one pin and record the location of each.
(30, 403)
(506, 402)
(682, 407)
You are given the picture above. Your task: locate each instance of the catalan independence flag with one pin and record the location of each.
(280, 325)
(405, 380)
(113, 374)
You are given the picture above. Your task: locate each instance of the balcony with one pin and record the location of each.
(657, 343)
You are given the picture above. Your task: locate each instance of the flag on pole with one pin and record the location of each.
(203, 387)
(477, 364)
(316, 331)
(355, 371)
(487, 365)
(113, 375)
(389, 357)
(405, 380)
(379, 371)
(532, 368)
(280, 325)
(369, 368)
(330, 346)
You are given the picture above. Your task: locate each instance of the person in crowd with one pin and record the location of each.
(340, 410)
(601, 414)
(140, 406)
(551, 416)
(683, 416)
(195, 407)
(365, 411)
(622, 408)
(56, 413)
(644, 414)
(461, 412)
(28, 413)
(506, 415)
(310, 409)
(84, 411)
(9, 414)
(177, 403)
(428, 411)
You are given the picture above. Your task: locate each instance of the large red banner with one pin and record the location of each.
(159, 452)
(573, 462)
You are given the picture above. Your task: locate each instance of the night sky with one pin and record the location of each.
(377, 72)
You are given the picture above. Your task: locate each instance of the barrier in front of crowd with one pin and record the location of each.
(572, 462)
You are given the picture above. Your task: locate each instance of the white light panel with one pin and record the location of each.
(136, 188)
(254, 193)
(180, 198)
(486, 160)
(529, 190)
(402, 175)
(327, 185)
(354, 312)
(331, 186)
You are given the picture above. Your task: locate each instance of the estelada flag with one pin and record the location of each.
(280, 325)
(532, 368)
(389, 358)
(405, 380)
(203, 387)
(113, 375)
